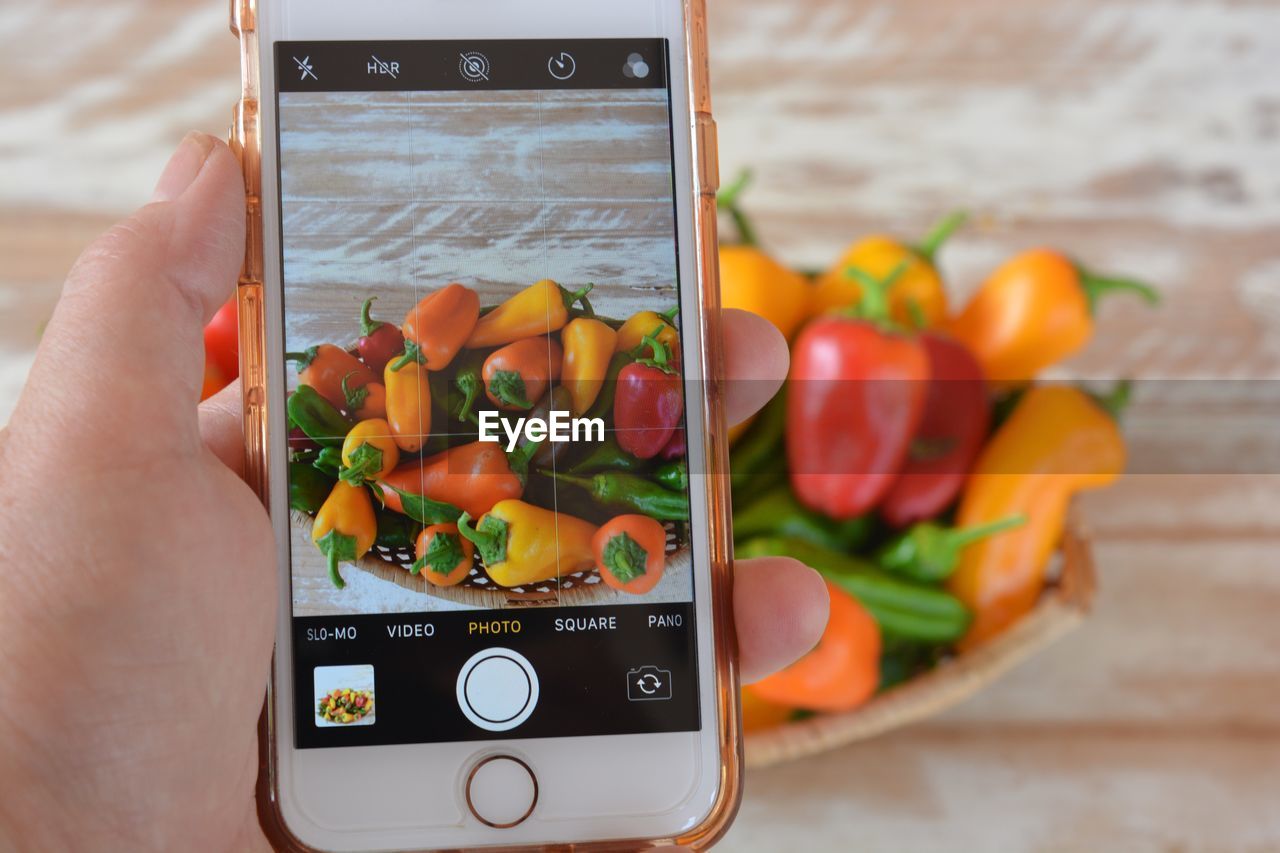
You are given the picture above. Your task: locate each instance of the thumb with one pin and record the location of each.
(123, 354)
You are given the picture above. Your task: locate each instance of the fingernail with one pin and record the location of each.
(183, 166)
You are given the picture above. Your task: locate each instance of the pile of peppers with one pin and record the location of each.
(384, 446)
(912, 457)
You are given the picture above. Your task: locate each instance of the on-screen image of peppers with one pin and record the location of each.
(630, 553)
(854, 401)
(518, 374)
(648, 402)
(1035, 310)
(441, 323)
(550, 451)
(369, 452)
(1057, 442)
(607, 456)
(778, 513)
(470, 477)
(841, 672)
(317, 417)
(324, 367)
(930, 552)
(395, 530)
(903, 609)
(617, 490)
(329, 460)
(539, 309)
(408, 399)
(308, 487)
(917, 298)
(345, 527)
(444, 557)
(673, 475)
(588, 346)
(379, 342)
(645, 323)
(520, 543)
(956, 418)
(603, 406)
(365, 402)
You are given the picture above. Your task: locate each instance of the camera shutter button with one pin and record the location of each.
(497, 689)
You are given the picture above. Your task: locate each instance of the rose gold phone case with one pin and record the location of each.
(246, 141)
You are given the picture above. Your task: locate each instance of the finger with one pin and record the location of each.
(780, 609)
(756, 363)
(222, 427)
(123, 353)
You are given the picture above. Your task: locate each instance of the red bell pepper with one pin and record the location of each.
(854, 401)
(379, 342)
(957, 415)
(648, 402)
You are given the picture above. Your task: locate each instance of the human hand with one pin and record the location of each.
(138, 614)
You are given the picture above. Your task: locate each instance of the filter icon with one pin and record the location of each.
(635, 68)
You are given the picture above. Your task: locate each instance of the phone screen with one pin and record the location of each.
(489, 500)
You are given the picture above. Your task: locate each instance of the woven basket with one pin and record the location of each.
(1063, 606)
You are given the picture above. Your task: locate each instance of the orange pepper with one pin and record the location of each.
(588, 346)
(444, 556)
(441, 323)
(366, 402)
(917, 297)
(643, 323)
(753, 281)
(841, 672)
(759, 715)
(345, 527)
(408, 404)
(517, 375)
(1057, 442)
(472, 477)
(1032, 312)
(631, 553)
(539, 309)
(325, 367)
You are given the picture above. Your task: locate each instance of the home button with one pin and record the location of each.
(501, 791)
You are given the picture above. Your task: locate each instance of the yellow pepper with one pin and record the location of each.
(345, 527)
(369, 452)
(1057, 442)
(588, 346)
(521, 543)
(408, 402)
(643, 323)
(917, 297)
(539, 309)
(753, 281)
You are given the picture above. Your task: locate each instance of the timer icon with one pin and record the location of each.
(562, 66)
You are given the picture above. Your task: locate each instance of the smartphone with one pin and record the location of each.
(482, 360)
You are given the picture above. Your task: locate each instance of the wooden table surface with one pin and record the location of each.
(1141, 135)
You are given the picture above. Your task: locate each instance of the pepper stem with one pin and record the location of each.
(518, 460)
(303, 358)
(412, 353)
(571, 297)
(929, 246)
(727, 201)
(1097, 286)
(368, 325)
(661, 353)
(873, 302)
(966, 536)
(469, 383)
(670, 314)
(490, 542)
(1115, 401)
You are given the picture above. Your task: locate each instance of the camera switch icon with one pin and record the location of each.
(648, 683)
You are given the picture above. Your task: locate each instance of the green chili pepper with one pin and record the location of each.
(396, 530)
(673, 475)
(930, 552)
(778, 513)
(903, 609)
(329, 460)
(317, 417)
(902, 660)
(308, 487)
(627, 491)
(758, 457)
(603, 406)
(607, 456)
